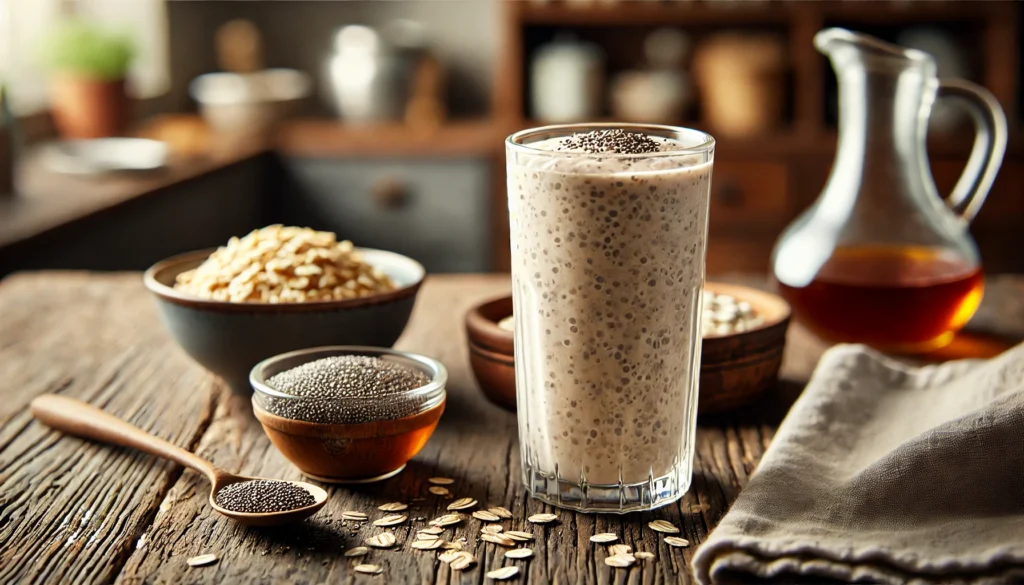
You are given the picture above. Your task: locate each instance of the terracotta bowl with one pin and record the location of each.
(348, 452)
(230, 338)
(735, 368)
(490, 351)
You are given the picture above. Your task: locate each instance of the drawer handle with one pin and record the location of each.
(730, 194)
(390, 193)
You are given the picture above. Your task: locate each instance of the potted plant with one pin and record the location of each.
(89, 65)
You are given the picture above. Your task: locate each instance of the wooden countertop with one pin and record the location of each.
(46, 200)
(74, 511)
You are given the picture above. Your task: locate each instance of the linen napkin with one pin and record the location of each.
(883, 472)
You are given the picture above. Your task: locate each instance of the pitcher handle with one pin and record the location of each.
(989, 145)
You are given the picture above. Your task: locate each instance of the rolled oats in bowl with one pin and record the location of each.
(279, 264)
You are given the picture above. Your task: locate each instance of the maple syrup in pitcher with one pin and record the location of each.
(896, 299)
(880, 258)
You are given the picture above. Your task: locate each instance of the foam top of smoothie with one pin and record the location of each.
(613, 150)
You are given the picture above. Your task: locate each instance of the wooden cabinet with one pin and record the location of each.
(434, 210)
(749, 192)
(762, 182)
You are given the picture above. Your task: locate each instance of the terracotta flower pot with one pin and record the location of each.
(89, 108)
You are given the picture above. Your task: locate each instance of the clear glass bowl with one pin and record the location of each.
(346, 445)
(349, 409)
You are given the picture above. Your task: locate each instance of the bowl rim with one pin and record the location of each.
(505, 359)
(435, 390)
(301, 91)
(483, 331)
(173, 295)
(744, 292)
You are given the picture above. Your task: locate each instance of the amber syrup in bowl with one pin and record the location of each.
(902, 300)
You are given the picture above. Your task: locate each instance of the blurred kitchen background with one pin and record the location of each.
(384, 121)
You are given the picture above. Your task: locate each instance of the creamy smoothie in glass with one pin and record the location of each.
(608, 234)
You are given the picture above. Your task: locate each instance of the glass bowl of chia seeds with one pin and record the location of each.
(349, 414)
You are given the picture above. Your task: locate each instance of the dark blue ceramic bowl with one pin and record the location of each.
(230, 338)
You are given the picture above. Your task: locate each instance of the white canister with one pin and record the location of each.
(567, 80)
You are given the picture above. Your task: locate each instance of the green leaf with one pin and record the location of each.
(88, 49)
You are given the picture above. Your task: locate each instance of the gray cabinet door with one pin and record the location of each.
(436, 211)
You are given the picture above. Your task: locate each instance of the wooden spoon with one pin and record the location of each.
(78, 418)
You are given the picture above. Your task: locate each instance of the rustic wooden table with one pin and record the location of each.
(72, 511)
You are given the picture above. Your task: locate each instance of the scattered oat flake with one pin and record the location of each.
(462, 504)
(620, 561)
(519, 535)
(357, 551)
(449, 555)
(542, 518)
(441, 480)
(428, 544)
(519, 553)
(500, 512)
(202, 560)
(438, 490)
(368, 569)
(663, 526)
(676, 541)
(464, 561)
(447, 520)
(604, 537)
(351, 515)
(492, 528)
(503, 573)
(643, 555)
(391, 520)
(382, 540)
(485, 515)
(433, 530)
(497, 539)
(619, 549)
(393, 507)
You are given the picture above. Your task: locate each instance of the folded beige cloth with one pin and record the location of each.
(886, 473)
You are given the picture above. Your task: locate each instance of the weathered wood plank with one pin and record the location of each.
(475, 444)
(72, 511)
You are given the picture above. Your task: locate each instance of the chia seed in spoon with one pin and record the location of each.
(262, 496)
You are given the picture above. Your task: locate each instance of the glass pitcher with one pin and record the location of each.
(880, 258)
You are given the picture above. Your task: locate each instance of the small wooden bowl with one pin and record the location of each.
(349, 452)
(490, 351)
(734, 370)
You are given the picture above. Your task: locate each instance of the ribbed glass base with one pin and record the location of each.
(618, 498)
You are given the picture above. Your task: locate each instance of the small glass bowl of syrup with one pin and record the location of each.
(376, 435)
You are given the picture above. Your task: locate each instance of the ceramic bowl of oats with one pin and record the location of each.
(280, 289)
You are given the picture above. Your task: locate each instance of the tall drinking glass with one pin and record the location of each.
(608, 233)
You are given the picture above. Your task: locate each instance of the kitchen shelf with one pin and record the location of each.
(765, 12)
(917, 12)
(652, 14)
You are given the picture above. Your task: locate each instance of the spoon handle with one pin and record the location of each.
(84, 420)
